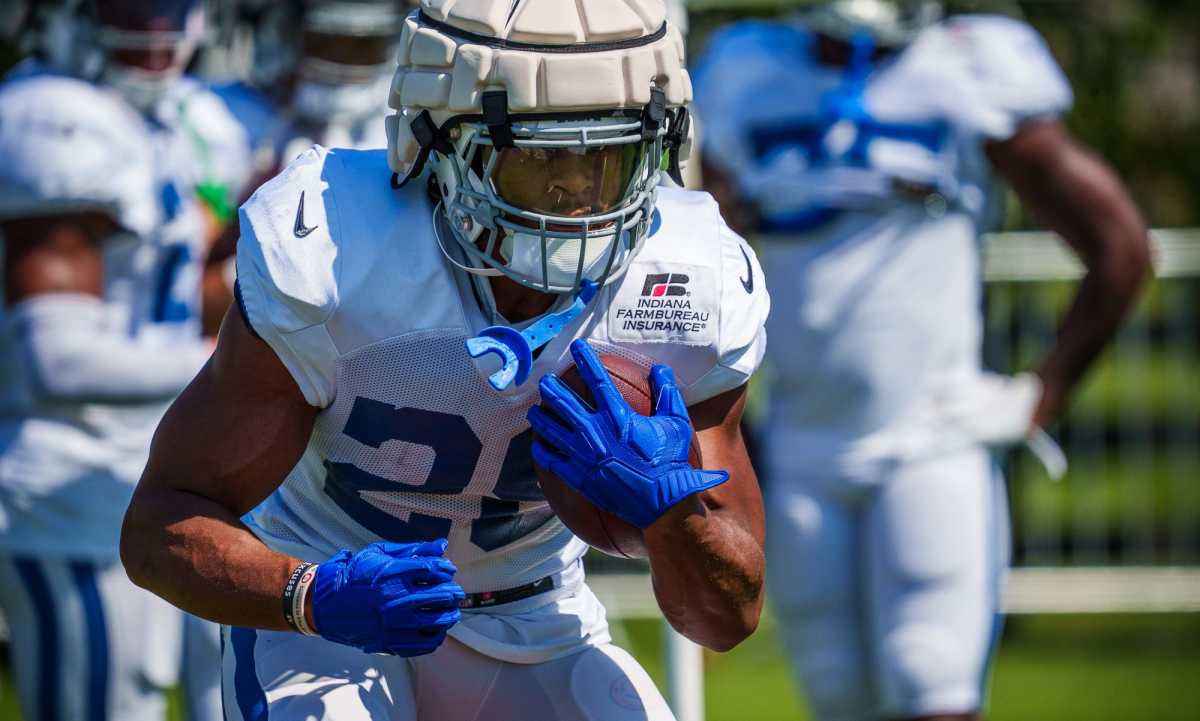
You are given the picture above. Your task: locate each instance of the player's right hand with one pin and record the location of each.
(633, 466)
(396, 598)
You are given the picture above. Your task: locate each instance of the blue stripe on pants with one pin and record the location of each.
(251, 699)
(97, 640)
(224, 708)
(43, 609)
(999, 562)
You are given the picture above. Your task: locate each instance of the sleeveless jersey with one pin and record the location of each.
(873, 190)
(344, 279)
(67, 470)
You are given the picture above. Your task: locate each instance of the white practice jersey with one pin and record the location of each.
(221, 163)
(873, 188)
(343, 277)
(67, 470)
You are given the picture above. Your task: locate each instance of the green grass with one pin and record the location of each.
(1093, 668)
(1086, 668)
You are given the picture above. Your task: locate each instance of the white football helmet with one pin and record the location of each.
(71, 148)
(547, 124)
(890, 23)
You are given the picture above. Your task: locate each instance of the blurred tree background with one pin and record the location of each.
(1135, 69)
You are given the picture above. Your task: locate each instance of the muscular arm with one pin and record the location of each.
(1077, 195)
(224, 446)
(706, 553)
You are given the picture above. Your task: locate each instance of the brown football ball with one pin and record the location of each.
(600, 529)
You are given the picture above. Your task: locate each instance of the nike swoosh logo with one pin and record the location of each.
(299, 229)
(747, 283)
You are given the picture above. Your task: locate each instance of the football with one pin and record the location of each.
(601, 529)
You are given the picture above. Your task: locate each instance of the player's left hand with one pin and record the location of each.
(997, 411)
(988, 408)
(632, 466)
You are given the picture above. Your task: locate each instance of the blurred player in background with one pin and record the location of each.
(104, 236)
(342, 408)
(862, 146)
(319, 74)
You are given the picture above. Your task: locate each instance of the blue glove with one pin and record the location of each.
(627, 464)
(397, 598)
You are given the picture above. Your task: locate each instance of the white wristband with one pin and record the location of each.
(303, 584)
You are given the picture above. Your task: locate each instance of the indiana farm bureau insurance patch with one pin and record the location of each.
(665, 303)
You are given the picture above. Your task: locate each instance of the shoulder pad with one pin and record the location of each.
(694, 298)
(1008, 71)
(288, 246)
(70, 101)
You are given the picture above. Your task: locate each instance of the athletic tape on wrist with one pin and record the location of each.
(294, 595)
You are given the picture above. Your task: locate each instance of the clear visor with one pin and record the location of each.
(569, 182)
(570, 200)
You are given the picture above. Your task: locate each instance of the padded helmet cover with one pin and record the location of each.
(549, 56)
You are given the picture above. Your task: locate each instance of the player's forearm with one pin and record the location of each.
(1113, 243)
(200, 557)
(72, 357)
(1076, 194)
(1105, 296)
(707, 566)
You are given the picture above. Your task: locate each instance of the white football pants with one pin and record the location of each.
(87, 644)
(887, 589)
(288, 677)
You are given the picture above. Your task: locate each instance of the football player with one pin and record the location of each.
(319, 74)
(131, 55)
(862, 146)
(349, 484)
(102, 243)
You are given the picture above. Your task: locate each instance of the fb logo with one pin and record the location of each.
(665, 284)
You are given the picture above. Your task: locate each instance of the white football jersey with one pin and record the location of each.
(871, 216)
(804, 140)
(221, 160)
(343, 277)
(67, 470)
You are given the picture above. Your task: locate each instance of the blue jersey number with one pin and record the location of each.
(456, 451)
(169, 307)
